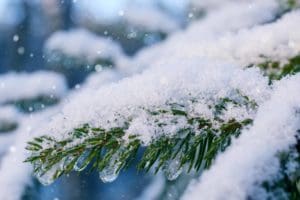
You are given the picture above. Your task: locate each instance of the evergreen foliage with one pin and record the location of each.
(190, 146)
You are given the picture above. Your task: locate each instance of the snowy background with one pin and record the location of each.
(67, 62)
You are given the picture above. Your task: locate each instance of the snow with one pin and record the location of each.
(82, 44)
(131, 97)
(98, 10)
(102, 78)
(17, 86)
(251, 158)
(150, 19)
(115, 11)
(6, 141)
(205, 62)
(15, 174)
(154, 189)
(214, 36)
(8, 114)
(275, 43)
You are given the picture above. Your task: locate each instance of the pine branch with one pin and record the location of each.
(109, 151)
(61, 61)
(7, 126)
(276, 70)
(28, 105)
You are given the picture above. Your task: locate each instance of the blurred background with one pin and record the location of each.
(26, 25)
(48, 48)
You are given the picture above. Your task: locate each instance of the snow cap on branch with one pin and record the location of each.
(81, 43)
(176, 82)
(251, 159)
(205, 38)
(16, 86)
